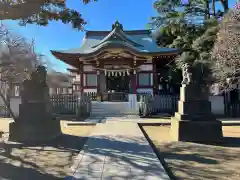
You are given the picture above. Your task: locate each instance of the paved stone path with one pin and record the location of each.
(118, 150)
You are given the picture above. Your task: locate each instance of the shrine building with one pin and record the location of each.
(119, 60)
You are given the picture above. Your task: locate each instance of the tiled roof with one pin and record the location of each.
(139, 40)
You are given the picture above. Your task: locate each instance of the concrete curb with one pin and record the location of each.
(81, 123)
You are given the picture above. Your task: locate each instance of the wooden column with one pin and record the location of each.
(81, 77)
(102, 78)
(134, 77)
(98, 78)
(155, 76)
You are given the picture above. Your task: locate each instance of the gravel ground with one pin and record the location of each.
(45, 162)
(192, 161)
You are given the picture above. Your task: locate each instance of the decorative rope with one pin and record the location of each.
(120, 72)
(116, 70)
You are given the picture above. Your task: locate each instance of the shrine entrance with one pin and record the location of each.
(117, 84)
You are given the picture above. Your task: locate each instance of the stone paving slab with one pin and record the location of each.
(118, 150)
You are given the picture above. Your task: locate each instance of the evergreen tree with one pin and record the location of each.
(192, 29)
(40, 12)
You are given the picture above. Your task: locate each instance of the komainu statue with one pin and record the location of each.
(187, 74)
(35, 87)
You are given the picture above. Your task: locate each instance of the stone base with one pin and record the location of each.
(196, 131)
(34, 132)
(195, 117)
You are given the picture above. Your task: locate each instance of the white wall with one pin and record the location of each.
(76, 78)
(145, 90)
(14, 104)
(87, 68)
(146, 67)
(217, 104)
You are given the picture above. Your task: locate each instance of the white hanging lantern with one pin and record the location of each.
(134, 72)
(123, 73)
(120, 73)
(128, 73)
(109, 74)
(105, 72)
(112, 73)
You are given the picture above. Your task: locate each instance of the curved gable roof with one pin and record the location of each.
(117, 34)
(139, 40)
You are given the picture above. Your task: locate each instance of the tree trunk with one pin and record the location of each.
(225, 5)
(213, 8)
(7, 106)
(207, 12)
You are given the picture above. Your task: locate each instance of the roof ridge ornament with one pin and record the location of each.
(117, 25)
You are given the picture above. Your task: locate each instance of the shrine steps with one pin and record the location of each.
(111, 109)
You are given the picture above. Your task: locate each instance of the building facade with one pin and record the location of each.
(118, 61)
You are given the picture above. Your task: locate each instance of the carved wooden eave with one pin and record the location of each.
(115, 54)
(70, 59)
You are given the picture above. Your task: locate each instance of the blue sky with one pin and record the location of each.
(133, 14)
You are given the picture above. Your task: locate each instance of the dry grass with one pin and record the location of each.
(49, 161)
(192, 161)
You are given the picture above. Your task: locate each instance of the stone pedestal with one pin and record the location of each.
(194, 120)
(34, 132)
(35, 123)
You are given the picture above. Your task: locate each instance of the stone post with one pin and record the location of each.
(194, 120)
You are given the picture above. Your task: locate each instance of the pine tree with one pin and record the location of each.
(40, 12)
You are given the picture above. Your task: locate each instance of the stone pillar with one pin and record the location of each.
(194, 120)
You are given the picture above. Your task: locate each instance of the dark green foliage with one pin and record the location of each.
(191, 28)
(57, 11)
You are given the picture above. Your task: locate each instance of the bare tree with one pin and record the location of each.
(17, 60)
(58, 81)
(226, 51)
